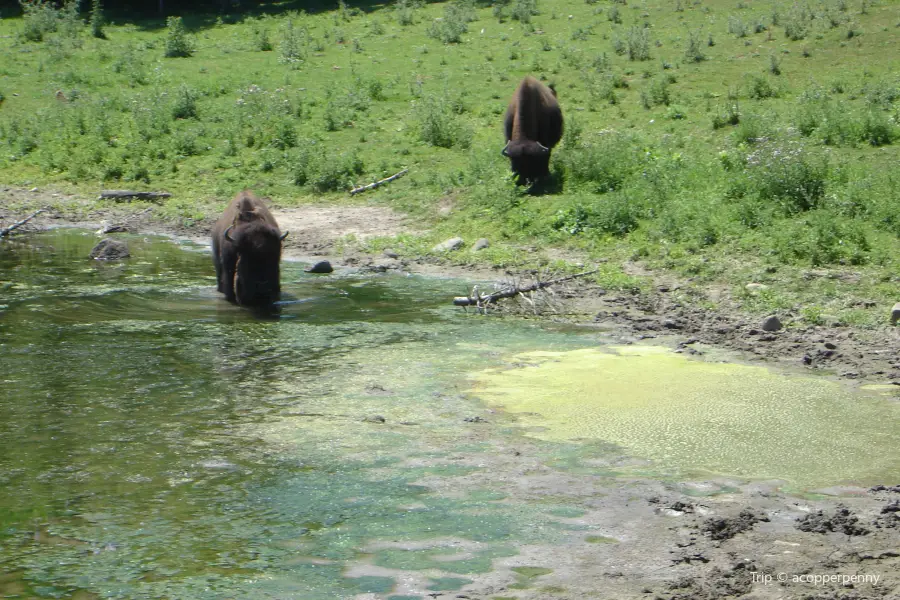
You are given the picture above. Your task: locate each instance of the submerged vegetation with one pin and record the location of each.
(715, 139)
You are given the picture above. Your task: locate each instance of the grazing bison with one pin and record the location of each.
(533, 125)
(246, 246)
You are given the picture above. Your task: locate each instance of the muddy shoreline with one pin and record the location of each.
(636, 538)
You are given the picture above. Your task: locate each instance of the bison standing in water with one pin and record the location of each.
(246, 247)
(533, 126)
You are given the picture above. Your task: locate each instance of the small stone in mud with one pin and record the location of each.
(374, 419)
(671, 324)
(842, 521)
(771, 323)
(449, 245)
(475, 419)
(895, 314)
(109, 250)
(481, 245)
(830, 346)
(323, 266)
(390, 253)
(723, 528)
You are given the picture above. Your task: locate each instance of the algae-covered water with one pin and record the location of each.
(156, 441)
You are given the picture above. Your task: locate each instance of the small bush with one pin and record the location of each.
(616, 214)
(694, 50)
(613, 15)
(97, 21)
(439, 126)
(452, 26)
(325, 171)
(523, 10)
(774, 65)
(605, 164)
(798, 21)
(821, 238)
(786, 175)
(731, 116)
(178, 45)
(760, 87)
(39, 18)
(737, 26)
(638, 43)
(184, 105)
(406, 11)
(293, 44)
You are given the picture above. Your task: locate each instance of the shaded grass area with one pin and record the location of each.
(724, 141)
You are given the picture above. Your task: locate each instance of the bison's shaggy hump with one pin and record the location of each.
(246, 247)
(533, 126)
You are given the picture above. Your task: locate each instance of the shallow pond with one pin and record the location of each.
(158, 442)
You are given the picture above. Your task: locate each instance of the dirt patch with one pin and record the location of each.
(725, 528)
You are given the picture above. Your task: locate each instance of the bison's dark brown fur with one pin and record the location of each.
(246, 247)
(533, 126)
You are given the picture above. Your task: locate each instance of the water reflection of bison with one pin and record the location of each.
(533, 125)
(246, 247)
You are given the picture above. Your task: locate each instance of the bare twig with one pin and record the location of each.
(120, 195)
(374, 185)
(480, 300)
(5, 232)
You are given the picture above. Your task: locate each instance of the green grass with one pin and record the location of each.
(700, 134)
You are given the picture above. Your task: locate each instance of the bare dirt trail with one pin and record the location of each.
(713, 539)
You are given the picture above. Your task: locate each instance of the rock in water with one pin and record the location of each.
(449, 245)
(323, 266)
(109, 249)
(771, 323)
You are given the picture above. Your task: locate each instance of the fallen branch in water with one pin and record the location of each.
(5, 232)
(481, 300)
(374, 185)
(120, 195)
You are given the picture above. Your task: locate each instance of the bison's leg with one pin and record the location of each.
(217, 262)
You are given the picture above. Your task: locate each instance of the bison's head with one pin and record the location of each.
(530, 160)
(257, 273)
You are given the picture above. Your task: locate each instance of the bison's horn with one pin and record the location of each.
(543, 147)
(284, 235)
(505, 151)
(228, 237)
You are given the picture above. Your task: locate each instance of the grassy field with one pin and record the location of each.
(728, 141)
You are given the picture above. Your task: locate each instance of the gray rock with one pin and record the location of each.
(323, 266)
(755, 288)
(480, 245)
(449, 245)
(374, 419)
(109, 249)
(895, 314)
(771, 323)
(390, 253)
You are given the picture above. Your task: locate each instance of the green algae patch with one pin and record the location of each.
(600, 539)
(697, 418)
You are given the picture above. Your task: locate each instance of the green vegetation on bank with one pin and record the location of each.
(726, 140)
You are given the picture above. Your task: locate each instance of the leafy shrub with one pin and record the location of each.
(616, 214)
(821, 238)
(694, 50)
(97, 20)
(523, 10)
(638, 43)
(605, 164)
(325, 171)
(184, 105)
(178, 45)
(737, 26)
(787, 175)
(731, 116)
(293, 44)
(759, 88)
(451, 27)
(798, 21)
(439, 126)
(39, 18)
(406, 11)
